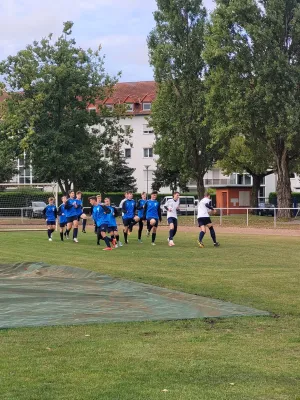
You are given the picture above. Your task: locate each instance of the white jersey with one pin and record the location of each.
(172, 207)
(202, 209)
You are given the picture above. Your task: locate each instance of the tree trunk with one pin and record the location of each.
(254, 192)
(200, 186)
(284, 195)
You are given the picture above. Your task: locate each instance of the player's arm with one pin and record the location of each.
(208, 205)
(68, 205)
(145, 210)
(44, 212)
(106, 209)
(59, 212)
(124, 207)
(116, 214)
(139, 207)
(55, 212)
(159, 212)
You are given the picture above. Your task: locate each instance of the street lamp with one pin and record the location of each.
(147, 169)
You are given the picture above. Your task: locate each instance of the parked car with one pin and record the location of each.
(266, 209)
(187, 205)
(35, 210)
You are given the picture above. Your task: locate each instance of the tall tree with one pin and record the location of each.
(51, 85)
(183, 136)
(173, 179)
(253, 50)
(243, 156)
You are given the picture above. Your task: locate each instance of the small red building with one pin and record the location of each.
(233, 198)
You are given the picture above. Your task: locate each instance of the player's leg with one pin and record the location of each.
(117, 237)
(202, 231)
(61, 231)
(69, 226)
(103, 229)
(141, 227)
(171, 231)
(84, 221)
(213, 234)
(149, 227)
(154, 232)
(49, 232)
(111, 234)
(75, 229)
(126, 223)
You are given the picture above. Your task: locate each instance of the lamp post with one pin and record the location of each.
(147, 169)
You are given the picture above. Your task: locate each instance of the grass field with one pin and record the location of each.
(236, 358)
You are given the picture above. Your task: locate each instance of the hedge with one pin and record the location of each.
(273, 198)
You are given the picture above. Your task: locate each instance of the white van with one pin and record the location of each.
(187, 205)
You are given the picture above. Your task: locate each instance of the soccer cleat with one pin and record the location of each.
(148, 233)
(83, 231)
(67, 237)
(153, 244)
(114, 243)
(217, 244)
(75, 240)
(171, 243)
(140, 241)
(200, 244)
(50, 239)
(116, 246)
(107, 248)
(120, 244)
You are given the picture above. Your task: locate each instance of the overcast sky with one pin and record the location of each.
(120, 26)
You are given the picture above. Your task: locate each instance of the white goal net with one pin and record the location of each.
(22, 205)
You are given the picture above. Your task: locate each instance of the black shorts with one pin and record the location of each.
(102, 228)
(156, 222)
(48, 223)
(172, 220)
(127, 221)
(62, 224)
(72, 219)
(204, 221)
(112, 229)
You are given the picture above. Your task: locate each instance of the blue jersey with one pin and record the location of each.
(140, 207)
(152, 209)
(71, 210)
(50, 212)
(100, 214)
(111, 218)
(62, 214)
(79, 208)
(128, 209)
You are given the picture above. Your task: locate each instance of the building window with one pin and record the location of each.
(92, 109)
(129, 107)
(147, 130)
(148, 152)
(146, 106)
(107, 153)
(110, 107)
(127, 128)
(127, 153)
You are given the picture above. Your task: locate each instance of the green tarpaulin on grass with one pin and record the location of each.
(36, 294)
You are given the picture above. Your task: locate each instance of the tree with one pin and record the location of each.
(173, 179)
(253, 51)
(182, 131)
(51, 85)
(247, 157)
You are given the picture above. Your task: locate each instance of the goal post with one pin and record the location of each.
(22, 205)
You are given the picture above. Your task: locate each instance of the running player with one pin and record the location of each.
(112, 223)
(152, 213)
(172, 205)
(128, 208)
(99, 216)
(50, 214)
(140, 207)
(62, 217)
(72, 217)
(204, 220)
(80, 212)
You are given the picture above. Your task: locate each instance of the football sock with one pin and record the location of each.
(67, 232)
(174, 230)
(153, 237)
(83, 224)
(125, 236)
(75, 233)
(107, 241)
(201, 236)
(98, 236)
(118, 238)
(213, 234)
(141, 226)
(62, 236)
(49, 233)
(52, 230)
(112, 237)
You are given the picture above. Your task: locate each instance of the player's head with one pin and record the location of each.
(126, 195)
(93, 200)
(144, 195)
(78, 195)
(107, 201)
(206, 194)
(129, 195)
(154, 195)
(71, 194)
(176, 196)
(99, 198)
(51, 200)
(64, 199)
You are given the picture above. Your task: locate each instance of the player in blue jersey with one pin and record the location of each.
(80, 213)
(128, 209)
(50, 214)
(152, 213)
(112, 223)
(72, 216)
(140, 207)
(100, 217)
(62, 217)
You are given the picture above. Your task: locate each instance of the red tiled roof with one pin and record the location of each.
(133, 92)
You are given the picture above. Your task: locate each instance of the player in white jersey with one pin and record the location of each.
(204, 220)
(172, 205)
